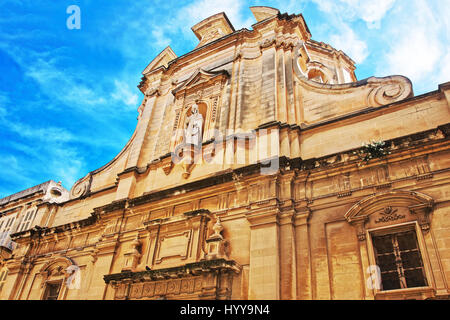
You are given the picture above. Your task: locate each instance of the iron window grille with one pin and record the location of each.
(400, 261)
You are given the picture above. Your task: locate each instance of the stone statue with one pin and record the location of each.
(193, 132)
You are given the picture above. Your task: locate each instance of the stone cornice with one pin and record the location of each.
(397, 145)
(331, 162)
(41, 232)
(169, 273)
(219, 178)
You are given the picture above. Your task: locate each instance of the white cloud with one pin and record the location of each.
(67, 164)
(202, 9)
(443, 74)
(418, 46)
(123, 93)
(46, 134)
(160, 38)
(15, 174)
(347, 40)
(414, 56)
(73, 86)
(370, 11)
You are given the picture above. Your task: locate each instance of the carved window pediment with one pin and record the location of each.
(198, 80)
(385, 209)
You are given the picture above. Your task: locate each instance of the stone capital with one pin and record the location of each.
(302, 216)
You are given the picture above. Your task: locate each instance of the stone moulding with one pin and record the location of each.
(194, 268)
(200, 77)
(340, 99)
(419, 206)
(219, 178)
(397, 144)
(435, 135)
(41, 232)
(438, 134)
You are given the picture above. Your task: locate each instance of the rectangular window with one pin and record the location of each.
(52, 291)
(27, 220)
(400, 261)
(9, 223)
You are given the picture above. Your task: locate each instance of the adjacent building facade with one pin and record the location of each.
(260, 168)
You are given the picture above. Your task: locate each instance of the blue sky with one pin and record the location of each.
(68, 98)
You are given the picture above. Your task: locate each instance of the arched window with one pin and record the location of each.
(317, 76)
(56, 278)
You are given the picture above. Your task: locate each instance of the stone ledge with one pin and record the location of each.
(175, 272)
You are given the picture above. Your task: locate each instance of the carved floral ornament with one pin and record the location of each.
(390, 208)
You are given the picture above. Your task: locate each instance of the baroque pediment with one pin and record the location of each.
(200, 78)
(379, 201)
(387, 208)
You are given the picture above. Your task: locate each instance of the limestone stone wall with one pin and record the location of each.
(274, 204)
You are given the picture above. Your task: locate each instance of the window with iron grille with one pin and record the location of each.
(400, 260)
(52, 290)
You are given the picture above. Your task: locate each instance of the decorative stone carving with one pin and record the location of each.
(422, 212)
(132, 256)
(389, 214)
(212, 279)
(262, 13)
(324, 101)
(216, 245)
(386, 93)
(167, 167)
(193, 131)
(151, 92)
(80, 188)
(384, 209)
(267, 42)
(212, 28)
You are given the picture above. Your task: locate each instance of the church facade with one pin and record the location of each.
(260, 168)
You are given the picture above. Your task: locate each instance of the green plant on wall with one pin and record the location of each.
(372, 150)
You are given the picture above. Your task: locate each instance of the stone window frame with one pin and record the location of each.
(420, 208)
(53, 282)
(424, 291)
(55, 271)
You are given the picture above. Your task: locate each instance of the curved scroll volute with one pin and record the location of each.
(324, 100)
